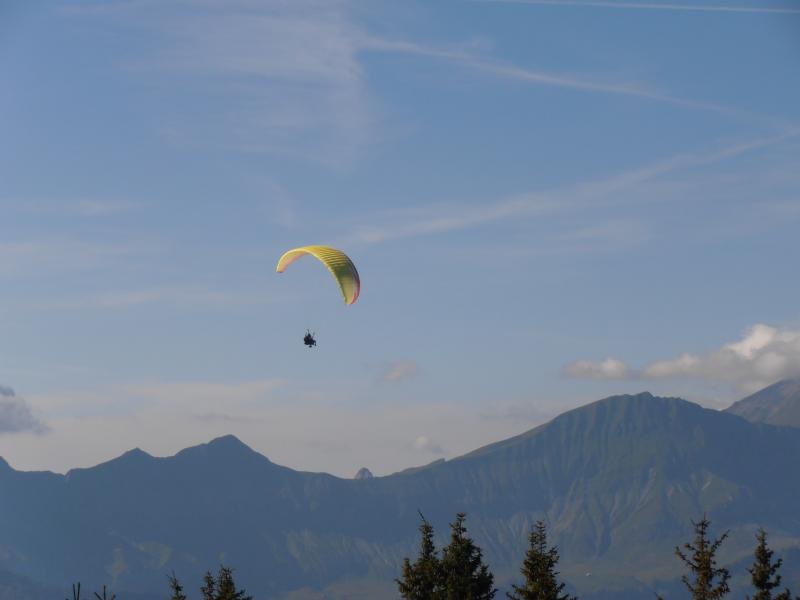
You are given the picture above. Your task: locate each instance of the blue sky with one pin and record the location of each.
(548, 202)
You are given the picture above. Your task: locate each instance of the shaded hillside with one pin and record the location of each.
(618, 481)
(778, 404)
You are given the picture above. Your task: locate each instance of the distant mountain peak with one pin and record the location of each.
(224, 447)
(777, 404)
(616, 414)
(640, 403)
(135, 453)
(230, 445)
(228, 441)
(364, 473)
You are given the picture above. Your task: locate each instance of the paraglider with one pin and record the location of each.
(338, 264)
(308, 339)
(336, 261)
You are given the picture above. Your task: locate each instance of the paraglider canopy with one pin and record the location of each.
(309, 340)
(336, 261)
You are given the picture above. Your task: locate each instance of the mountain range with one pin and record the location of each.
(776, 405)
(618, 482)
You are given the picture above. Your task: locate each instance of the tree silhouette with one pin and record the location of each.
(177, 588)
(226, 587)
(708, 582)
(764, 573)
(465, 577)
(422, 580)
(539, 570)
(209, 588)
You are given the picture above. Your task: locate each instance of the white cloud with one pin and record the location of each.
(16, 415)
(763, 356)
(610, 368)
(685, 364)
(400, 371)
(423, 442)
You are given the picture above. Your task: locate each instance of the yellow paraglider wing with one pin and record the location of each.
(336, 261)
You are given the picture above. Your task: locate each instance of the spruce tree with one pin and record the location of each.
(539, 570)
(422, 580)
(709, 582)
(465, 577)
(209, 589)
(226, 587)
(177, 588)
(764, 573)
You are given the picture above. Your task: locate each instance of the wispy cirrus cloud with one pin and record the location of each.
(290, 77)
(468, 59)
(399, 371)
(762, 356)
(276, 77)
(441, 219)
(721, 8)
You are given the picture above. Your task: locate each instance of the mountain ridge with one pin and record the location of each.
(610, 478)
(777, 404)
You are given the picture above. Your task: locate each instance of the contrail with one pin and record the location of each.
(655, 6)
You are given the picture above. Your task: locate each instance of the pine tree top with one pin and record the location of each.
(708, 582)
(539, 570)
(764, 573)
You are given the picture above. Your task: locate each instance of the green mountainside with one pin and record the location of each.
(778, 404)
(617, 482)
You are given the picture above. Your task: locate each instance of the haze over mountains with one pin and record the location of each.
(618, 482)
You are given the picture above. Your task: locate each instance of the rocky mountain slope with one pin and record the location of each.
(778, 404)
(618, 481)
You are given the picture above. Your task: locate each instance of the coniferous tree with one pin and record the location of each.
(177, 588)
(208, 590)
(708, 582)
(422, 580)
(464, 576)
(226, 587)
(539, 570)
(764, 573)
